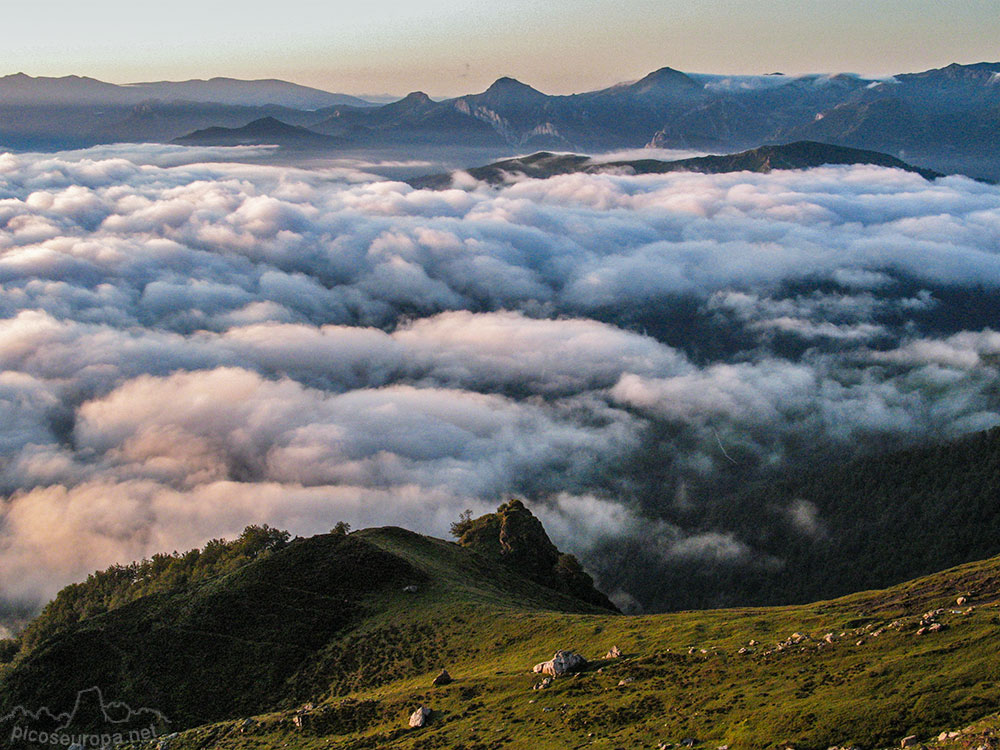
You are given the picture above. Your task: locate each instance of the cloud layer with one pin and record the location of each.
(186, 348)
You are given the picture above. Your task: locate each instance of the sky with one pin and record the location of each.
(450, 47)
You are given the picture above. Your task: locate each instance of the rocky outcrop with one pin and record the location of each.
(614, 653)
(515, 537)
(563, 662)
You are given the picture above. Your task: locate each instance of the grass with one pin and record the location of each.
(871, 686)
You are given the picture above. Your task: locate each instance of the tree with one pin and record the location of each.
(463, 524)
(341, 528)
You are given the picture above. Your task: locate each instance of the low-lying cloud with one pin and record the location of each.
(188, 347)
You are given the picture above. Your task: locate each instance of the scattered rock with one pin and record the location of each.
(961, 601)
(626, 681)
(689, 742)
(411, 589)
(442, 679)
(908, 741)
(419, 717)
(614, 653)
(563, 662)
(829, 638)
(546, 682)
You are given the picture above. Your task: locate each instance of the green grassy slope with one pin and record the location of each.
(684, 675)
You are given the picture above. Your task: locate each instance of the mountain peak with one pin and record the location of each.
(417, 97)
(665, 79)
(507, 87)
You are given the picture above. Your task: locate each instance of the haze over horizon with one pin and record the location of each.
(453, 47)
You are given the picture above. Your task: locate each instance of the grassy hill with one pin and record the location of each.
(318, 645)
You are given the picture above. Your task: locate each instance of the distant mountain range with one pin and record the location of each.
(798, 155)
(946, 119)
(76, 90)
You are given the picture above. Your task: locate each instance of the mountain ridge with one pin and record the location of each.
(867, 669)
(796, 155)
(945, 119)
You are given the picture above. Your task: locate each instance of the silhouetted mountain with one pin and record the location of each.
(24, 89)
(265, 131)
(799, 155)
(257, 93)
(68, 90)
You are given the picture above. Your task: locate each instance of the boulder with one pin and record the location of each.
(419, 717)
(442, 679)
(614, 653)
(961, 601)
(909, 741)
(563, 662)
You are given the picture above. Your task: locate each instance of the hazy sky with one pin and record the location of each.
(458, 46)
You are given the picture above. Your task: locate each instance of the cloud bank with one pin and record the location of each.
(186, 348)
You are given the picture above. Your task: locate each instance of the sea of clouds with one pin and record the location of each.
(187, 347)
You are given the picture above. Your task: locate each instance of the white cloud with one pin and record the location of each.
(188, 345)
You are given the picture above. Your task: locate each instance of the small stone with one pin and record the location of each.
(545, 683)
(626, 681)
(411, 589)
(419, 717)
(442, 679)
(961, 601)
